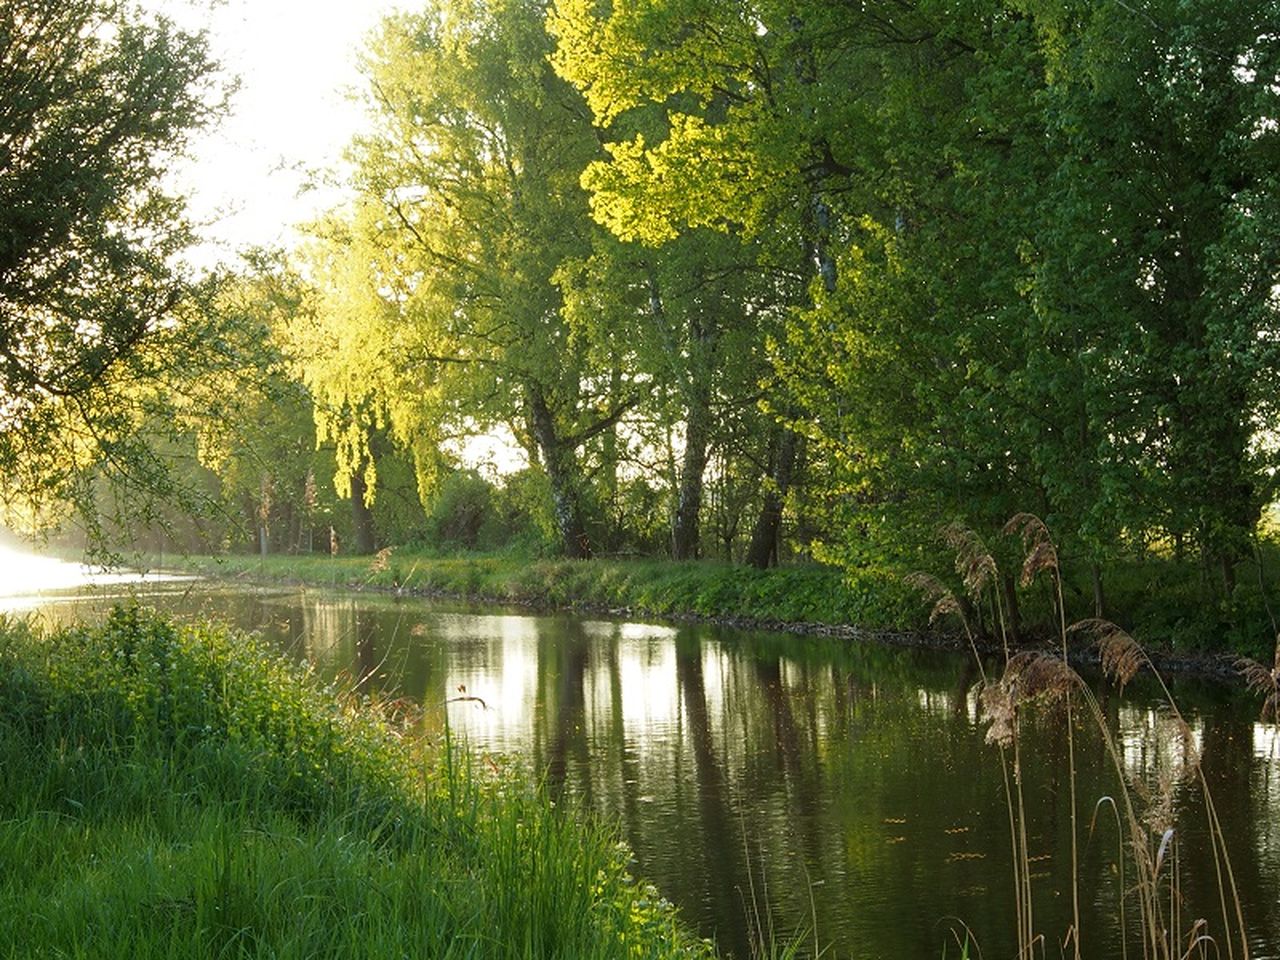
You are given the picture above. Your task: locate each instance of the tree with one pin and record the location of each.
(690, 318)
(439, 314)
(95, 100)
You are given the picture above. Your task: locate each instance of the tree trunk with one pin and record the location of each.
(561, 466)
(686, 530)
(249, 507)
(763, 552)
(361, 515)
(609, 463)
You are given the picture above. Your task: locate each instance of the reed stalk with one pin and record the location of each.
(1036, 678)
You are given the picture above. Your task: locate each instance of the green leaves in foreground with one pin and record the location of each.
(184, 792)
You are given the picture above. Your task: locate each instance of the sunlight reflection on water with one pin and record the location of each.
(26, 577)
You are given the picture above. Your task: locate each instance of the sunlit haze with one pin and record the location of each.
(25, 576)
(290, 119)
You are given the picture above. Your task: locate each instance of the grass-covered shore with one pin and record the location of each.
(794, 596)
(1159, 600)
(181, 791)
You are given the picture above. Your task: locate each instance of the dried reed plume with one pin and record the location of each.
(1122, 656)
(998, 712)
(381, 560)
(1157, 794)
(1030, 676)
(974, 562)
(1264, 681)
(1041, 554)
(944, 601)
(1039, 676)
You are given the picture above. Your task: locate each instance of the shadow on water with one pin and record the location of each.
(795, 776)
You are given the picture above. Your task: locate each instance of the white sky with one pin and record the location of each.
(291, 117)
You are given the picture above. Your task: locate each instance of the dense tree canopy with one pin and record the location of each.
(95, 99)
(1044, 271)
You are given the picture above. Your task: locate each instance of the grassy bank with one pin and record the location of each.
(1163, 601)
(810, 594)
(800, 594)
(182, 792)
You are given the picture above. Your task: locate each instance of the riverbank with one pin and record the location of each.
(809, 599)
(181, 791)
(799, 599)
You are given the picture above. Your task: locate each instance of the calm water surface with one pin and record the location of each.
(772, 780)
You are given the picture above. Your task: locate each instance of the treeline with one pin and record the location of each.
(843, 272)
(759, 281)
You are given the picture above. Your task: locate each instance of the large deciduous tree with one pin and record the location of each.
(438, 302)
(95, 100)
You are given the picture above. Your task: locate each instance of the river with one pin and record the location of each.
(778, 783)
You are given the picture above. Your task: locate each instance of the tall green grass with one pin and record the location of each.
(178, 791)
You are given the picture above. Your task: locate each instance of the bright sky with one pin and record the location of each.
(295, 59)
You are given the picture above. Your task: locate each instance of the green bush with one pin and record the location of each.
(463, 506)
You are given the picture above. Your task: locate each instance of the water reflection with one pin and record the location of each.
(27, 581)
(758, 776)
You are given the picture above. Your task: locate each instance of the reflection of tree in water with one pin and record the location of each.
(797, 780)
(563, 660)
(629, 766)
(724, 864)
(1231, 770)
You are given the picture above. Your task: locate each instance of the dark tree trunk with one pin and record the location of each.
(1099, 598)
(249, 507)
(763, 551)
(289, 529)
(560, 464)
(686, 531)
(609, 460)
(361, 515)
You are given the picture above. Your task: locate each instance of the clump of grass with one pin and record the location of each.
(1041, 679)
(184, 792)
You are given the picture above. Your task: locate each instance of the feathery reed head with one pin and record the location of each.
(1041, 554)
(1173, 766)
(381, 560)
(1265, 682)
(1029, 676)
(974, 561)
(1038, 675)
(944, 601)
(999, 712)
(1122, 656)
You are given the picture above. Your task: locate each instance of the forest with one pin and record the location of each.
(770, 283)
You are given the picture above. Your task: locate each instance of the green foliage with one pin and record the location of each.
(95, 308)
(1041, 275)
(181, 791)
